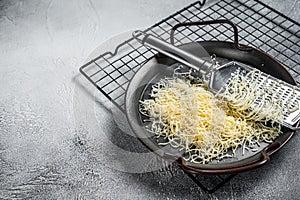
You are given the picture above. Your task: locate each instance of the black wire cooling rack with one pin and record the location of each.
(259, 25)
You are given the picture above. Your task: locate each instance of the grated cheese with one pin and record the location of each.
(205, 127)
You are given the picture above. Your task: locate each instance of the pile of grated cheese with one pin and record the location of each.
(194, 120)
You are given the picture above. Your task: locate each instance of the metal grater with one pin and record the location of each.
(289, 94)
(219, 76)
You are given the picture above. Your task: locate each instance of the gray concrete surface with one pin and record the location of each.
(58, 139)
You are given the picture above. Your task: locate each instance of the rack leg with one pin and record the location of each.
(206, 189)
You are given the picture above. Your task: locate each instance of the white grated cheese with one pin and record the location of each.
(193, 119)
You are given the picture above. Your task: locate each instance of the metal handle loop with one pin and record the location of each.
(232, 170)
(220, 21)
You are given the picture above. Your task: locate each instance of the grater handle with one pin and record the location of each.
(184, 57)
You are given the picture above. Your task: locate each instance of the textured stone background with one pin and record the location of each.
(58, 139)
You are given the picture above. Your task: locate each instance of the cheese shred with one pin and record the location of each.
(189, 117)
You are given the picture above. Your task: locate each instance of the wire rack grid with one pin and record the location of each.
(260, 26)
